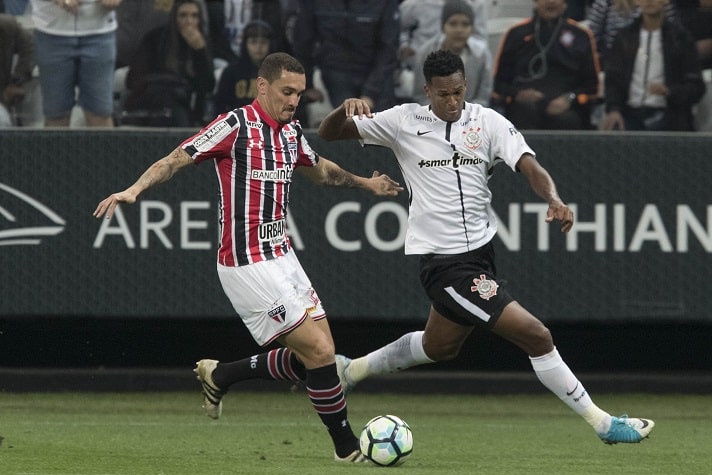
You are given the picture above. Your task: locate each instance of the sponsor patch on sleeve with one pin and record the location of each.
(211, 137)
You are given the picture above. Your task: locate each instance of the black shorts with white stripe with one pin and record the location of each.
(464, 287)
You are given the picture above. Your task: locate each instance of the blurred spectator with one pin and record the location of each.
(457, 22)
(354, 46)
(172, 72)
(238, 83)
(607, 17)
(547, 71)
(76, 48)
(217, 31)
(17, 59)
(653, 74)
(576, 9)
(696, 16)
(420, 22)
(14, 7)
(135, 19)
(239, 13)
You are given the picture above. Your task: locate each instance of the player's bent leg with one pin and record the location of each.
(520, 327)
(315, 349)
(441, 340)
(216, 378)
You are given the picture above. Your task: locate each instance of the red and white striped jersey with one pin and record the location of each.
(254, 158)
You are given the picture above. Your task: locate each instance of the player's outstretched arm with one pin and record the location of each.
(339, 123)
(160, 172)
(329, 173)
(543, 185)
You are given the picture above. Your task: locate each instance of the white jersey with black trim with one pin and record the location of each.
(254, 158)
(446, 167)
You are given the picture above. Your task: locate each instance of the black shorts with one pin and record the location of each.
(464, 287)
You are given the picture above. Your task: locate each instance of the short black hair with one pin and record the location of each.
(273, 65)
(442, 63)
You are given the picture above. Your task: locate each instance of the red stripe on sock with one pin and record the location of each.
(287, 365)
(330, 408)
(324, 393)
(272, 364)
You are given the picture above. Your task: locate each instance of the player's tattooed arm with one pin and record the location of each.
(161, 171)
(329, 173)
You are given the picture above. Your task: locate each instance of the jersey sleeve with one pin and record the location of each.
(215, 140)
(382, 129)
(508, 144)
(307, 156)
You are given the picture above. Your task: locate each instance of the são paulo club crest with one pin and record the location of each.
(487, 288)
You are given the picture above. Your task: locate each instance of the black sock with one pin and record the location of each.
(328, 400)
(279, 364)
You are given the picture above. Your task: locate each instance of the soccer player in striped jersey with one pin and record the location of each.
(255, 150)
(446, 151)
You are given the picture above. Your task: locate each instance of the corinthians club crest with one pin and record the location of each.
(487, 288)
(472, 139)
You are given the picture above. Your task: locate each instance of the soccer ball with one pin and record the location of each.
(386, 441)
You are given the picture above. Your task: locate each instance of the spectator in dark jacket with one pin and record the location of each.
(171, 72)
(546, 71)
(653, 85)
(237, 86)
(353, 44)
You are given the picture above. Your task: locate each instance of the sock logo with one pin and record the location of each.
(573, 390)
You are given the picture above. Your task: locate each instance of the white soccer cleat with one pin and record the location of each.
(356, 456)
(212, 395)
(342, 364)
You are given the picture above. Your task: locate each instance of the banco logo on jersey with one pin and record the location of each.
(278, 175)
(24, 220)
(455, 161)
(274, 232)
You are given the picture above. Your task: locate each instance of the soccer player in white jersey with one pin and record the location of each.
(446, 151)
(255, 150)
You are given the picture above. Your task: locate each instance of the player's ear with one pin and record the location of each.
(262, 85)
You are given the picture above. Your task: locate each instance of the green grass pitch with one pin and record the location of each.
(278, 433)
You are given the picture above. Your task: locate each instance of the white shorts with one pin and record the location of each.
(272, 297)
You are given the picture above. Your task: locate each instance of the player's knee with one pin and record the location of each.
(441, 352)
(323, 354)
(540, 340)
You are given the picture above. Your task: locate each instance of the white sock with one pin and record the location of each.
(560, 380)
(396, 356)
